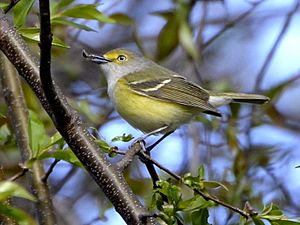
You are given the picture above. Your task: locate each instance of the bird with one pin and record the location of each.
(154, 99)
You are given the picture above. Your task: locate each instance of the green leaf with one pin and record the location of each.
(243, 220)
(104, 146)
(167, 39)
(3, 120)
(201, 172)
(156, 201)
(193, 182)
(214, 184)
(64, 3)
(66, 155)
(38, 138)
(284, 222)
(10, 189)
(123, 138)
(5, 134)
(56, 139)
(3, 5)
(21, 10)
(167, 15)
(278, 89)
(86, 11)
(63, 21)
(257, 221)
(166, 218)
(196, 202)
(275, 216)
(200, 217)
(172, 192)
(198, 182)
(267, 209)
(122, 18)
(33, 34)
(16, 214)
(59, 43)
(186, 40)
(178, 218)
(59, 5)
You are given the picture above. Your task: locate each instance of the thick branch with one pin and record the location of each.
(104, 173)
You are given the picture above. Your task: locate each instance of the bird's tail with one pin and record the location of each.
(218, 98)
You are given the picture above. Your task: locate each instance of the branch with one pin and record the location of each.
(69, 125)
(50, 170)
(18, 116)
(138, 148)
(19, 174)
(128, 156)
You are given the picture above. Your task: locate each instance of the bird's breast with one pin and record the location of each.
(146, 113)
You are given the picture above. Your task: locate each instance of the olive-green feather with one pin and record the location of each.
(173, 89)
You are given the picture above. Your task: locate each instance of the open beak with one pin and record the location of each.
(99, 59)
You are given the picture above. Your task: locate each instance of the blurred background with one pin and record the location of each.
(237, 45)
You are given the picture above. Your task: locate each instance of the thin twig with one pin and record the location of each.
(277, 42)
(218, 201)
(50, 170)
(230, 24)
(145, 157)
(19, 174)
(150, 167)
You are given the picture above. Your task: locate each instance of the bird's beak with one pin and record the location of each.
(99, 59)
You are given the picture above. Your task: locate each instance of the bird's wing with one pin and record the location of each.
(172, 89)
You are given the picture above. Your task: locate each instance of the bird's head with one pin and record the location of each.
(118, 62)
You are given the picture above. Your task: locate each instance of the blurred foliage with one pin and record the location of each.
(10, 189)
(237, 170)
(176, 31)
(172, 211)
(43, 146)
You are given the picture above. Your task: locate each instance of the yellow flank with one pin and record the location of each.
(149, 114)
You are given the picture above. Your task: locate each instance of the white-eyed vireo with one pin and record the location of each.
(150, 97)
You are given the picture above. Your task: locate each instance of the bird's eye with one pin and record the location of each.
(122, 58)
